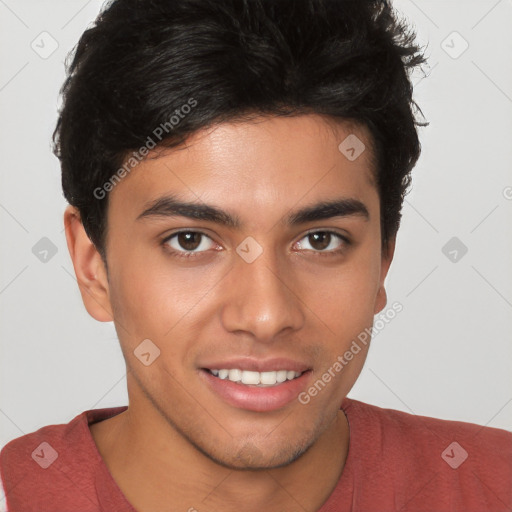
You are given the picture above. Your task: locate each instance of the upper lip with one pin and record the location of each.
(256, 365)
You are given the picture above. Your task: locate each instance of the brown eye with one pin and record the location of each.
(189, 242)
(323, 241)
(320, 240)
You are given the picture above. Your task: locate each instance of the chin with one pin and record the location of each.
(259, 455)
(251, 458)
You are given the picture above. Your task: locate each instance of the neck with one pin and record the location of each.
(162, 467)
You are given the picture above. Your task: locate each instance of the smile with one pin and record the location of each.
(250, 378)
(255, 391)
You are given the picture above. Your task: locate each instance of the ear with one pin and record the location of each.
(90, 270)
(386, 259)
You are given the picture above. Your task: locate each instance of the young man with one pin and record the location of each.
(235, 171)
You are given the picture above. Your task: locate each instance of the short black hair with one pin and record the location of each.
(160, 70)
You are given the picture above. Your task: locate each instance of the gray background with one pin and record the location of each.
(447, 354)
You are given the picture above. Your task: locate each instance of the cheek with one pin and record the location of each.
(345, 296)
(151, 299)
(345, 308)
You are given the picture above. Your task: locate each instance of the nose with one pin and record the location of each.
(261, 299)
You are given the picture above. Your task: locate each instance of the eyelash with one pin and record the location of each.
(190, 254)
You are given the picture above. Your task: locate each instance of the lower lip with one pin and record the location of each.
(253, 398)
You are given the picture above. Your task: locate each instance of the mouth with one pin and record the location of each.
(256, 391)
(251, 378)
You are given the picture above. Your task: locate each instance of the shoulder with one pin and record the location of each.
(54, 460)
(462, 462)
(397, 430)
(42, 446)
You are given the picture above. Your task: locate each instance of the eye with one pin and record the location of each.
(324, 241)
(188, 242)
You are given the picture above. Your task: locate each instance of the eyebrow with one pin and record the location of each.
(170, 206)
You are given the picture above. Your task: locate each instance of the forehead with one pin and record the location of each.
(266, 164)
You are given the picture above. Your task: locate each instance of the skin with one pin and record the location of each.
(299, 300)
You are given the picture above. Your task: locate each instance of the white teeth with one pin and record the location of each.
(281, 375)
(235, 375)
(256, 378)
(268, 378)
(250, 377)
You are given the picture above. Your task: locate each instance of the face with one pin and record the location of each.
(224, 254)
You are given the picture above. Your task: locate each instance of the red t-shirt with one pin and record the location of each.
(396, 461)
